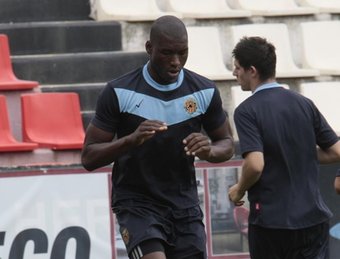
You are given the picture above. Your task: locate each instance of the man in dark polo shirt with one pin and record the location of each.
(283, 138)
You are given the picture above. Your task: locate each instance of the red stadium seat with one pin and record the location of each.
(53, 120)
(7, 142)
(8, 80)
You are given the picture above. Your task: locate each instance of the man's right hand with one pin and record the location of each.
(146, 130)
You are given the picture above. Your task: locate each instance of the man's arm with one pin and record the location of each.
(329, 155)
(217, 147)
(100, 148)
(337, 182)
(252, 168)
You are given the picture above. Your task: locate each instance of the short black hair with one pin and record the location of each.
(256, 52)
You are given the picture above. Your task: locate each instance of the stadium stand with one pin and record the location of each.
(321, 51)
(205, 9)
(18, 11)
(278, 34)
(326, 97)
(76, 68)
(324, 6)
(126, 10)
(205, 53)
(52, 120)
(8, 80)
(7, 141)
(275, 8)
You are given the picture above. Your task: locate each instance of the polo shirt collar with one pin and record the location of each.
(267, 86)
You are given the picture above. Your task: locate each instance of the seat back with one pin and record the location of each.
(324, 6)
(205, 9)
(320, 46)
(325, 95)
(267, 4)
(125, 10)
(52, 120)
(6, 71)
(7, 141)
(205, 53)
(275, 8)
(8, 80)
(278, 35)
(5, 129)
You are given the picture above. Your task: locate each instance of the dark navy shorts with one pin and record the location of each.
(306, 243)
(147, 228)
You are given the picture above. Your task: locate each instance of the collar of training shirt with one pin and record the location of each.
(267, 86)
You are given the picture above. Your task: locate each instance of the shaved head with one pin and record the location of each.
(167, 49)
(167, 26)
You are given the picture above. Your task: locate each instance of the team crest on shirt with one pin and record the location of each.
(125, 236)
(190, 105)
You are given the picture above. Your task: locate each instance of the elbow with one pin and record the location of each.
(337, 185)
(221, 156)
(87, 163)
(230, 152)
(337, 189)
(92, 162)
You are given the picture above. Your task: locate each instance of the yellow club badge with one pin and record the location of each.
(190, 105)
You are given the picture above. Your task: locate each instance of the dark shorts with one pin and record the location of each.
(178, 233)
(306, 243)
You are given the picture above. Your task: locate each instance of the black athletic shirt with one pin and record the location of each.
(286, 127)
(158, 171)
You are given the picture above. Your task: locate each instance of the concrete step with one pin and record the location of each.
(62, 37)
(91, 67)
(12, 11)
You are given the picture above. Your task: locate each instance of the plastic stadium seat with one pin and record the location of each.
(324, 6)
(275, 7)
(53, 120)
(126, 10)
(205, 9)
(276, 33)
(7, 142)
(325, 95)
(320, 46)
(205, 53)
(8, 80)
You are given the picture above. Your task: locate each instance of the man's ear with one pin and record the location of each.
(253, 70)
(148, 47)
